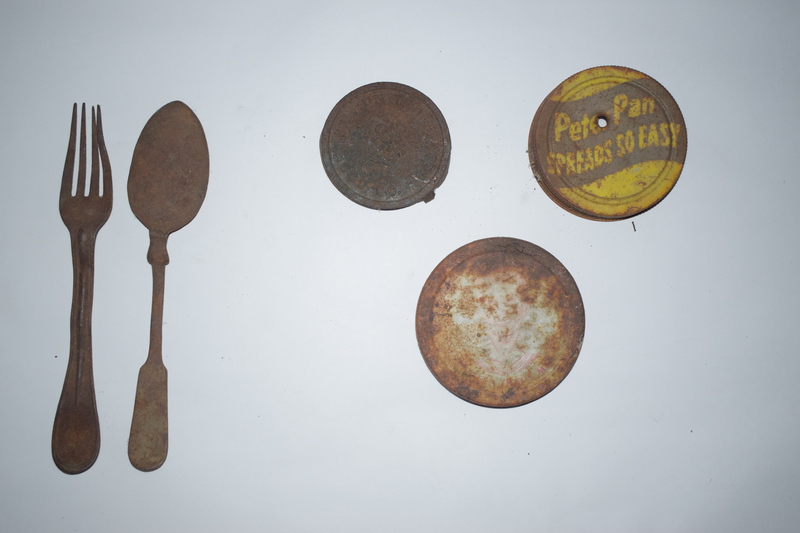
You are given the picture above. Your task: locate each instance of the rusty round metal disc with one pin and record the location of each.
(608, 143)
(500, 322)
(386, 146)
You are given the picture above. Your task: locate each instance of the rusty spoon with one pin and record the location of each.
(166, 187)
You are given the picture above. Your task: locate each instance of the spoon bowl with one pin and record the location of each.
(169, 171)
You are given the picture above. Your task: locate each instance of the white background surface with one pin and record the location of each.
(298, 397)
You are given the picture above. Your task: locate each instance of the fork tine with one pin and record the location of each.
(101, 143)
(81, 188)
(69, 165)
(94, 183)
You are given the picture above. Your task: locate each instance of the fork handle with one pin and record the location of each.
(76, 430)
(149, 438)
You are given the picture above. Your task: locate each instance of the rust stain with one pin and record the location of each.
(500, 322)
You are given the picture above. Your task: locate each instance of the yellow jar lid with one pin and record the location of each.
(608, 143)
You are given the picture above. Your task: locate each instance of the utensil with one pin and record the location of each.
(166, 187)
(76, 430)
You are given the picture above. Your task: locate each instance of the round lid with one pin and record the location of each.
(500, 322)
(386, 146)
(608, 143)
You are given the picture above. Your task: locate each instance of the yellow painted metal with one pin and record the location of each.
(608, 143)
(592, 81)
(629, 191)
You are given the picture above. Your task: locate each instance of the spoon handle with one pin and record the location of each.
(147, 446)
(76, 430)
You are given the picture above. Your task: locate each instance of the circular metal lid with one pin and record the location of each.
(386, 146)
(500, 322)
(608, 143)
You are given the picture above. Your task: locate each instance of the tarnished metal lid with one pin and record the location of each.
(500, 322)
(386, 146)
(608, 143)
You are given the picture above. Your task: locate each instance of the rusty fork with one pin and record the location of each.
(76, 430)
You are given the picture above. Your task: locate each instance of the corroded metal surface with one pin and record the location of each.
(500, 322)
(166, 187)
(76, 430)
(386, 146)
(608, 143)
